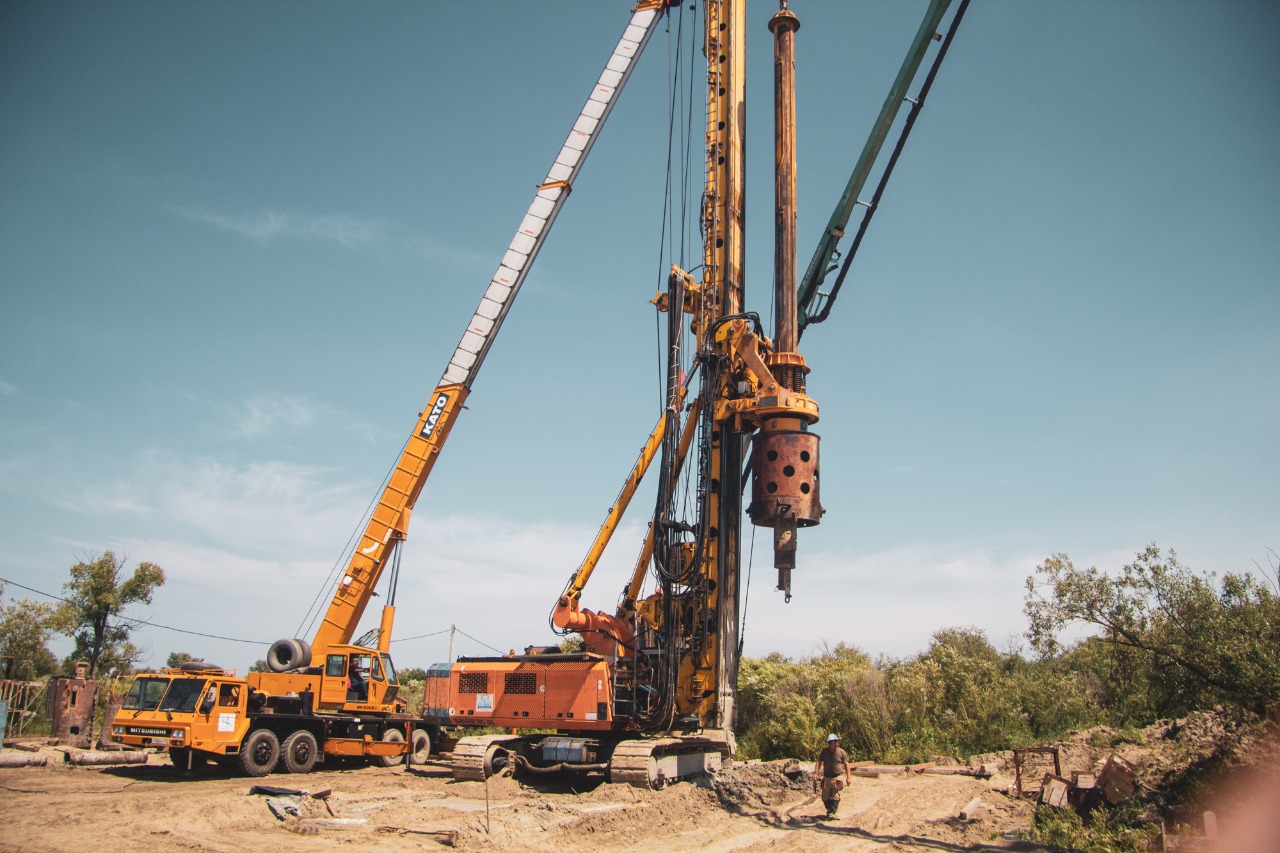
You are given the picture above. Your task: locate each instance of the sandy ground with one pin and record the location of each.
(750, 808)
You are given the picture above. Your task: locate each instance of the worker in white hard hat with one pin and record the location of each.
(832, 764)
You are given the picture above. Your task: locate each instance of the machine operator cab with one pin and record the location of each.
(360, 676)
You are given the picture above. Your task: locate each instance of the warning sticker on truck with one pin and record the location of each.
(484, 703)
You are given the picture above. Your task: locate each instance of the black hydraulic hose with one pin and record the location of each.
(916, 106)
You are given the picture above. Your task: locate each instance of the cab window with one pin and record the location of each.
(228, 695)
(335, 666)
(144, 694)
(390, 668)
(183, 695)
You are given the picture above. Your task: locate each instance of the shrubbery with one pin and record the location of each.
(1169, 642)
(959, 697)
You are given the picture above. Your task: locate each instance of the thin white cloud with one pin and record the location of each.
(267, 508)
(890, 602)
(7, 390)
(459, 258)
(351, 232)
(264, 414)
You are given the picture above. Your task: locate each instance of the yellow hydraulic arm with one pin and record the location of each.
(567, 615)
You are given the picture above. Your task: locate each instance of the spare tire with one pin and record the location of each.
(197, 666)
(285, 655)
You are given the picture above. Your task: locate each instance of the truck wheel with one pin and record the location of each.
(420, 746)
(184, 758)
(259, 753)
(299, 752)
(390, 736)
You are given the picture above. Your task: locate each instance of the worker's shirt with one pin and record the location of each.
(834, 760)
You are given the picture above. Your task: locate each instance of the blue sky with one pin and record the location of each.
(239, 242)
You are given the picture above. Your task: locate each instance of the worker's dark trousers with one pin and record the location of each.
(831, 786)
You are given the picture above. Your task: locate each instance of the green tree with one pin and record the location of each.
(25, 631)
(177, 659)
(96, 595)
(1196, 640)
(776, 713)
(260, 666)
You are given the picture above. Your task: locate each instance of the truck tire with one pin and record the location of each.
(420, 746)
(259, 752)
(299, 752)
(184, 758)
(285, 655)
(390, 736)
(197, 666)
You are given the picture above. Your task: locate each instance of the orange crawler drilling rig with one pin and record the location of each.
(651, 697)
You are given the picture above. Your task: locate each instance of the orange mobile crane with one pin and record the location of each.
(651, 698)
(330, 695)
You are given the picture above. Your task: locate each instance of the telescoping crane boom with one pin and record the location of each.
(328, 696)
(290, 659)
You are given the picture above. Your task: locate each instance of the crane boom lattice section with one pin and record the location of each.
(546, 205)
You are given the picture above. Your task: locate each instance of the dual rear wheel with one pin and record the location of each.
(262, 751)
(419, 748)
(299, 752)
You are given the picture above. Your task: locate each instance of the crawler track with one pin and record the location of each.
(473, 756)
(640, 762)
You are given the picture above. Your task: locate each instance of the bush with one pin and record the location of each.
(1101, 833)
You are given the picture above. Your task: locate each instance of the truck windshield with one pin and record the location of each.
(183, 695)
(144, 694)
(391, 670)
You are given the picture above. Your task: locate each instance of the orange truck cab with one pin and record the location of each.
(186, 710)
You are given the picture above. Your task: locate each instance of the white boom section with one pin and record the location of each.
(524, 247)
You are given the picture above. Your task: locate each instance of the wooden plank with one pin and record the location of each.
(1084, 780)
(1116, 780)
(1054, 790)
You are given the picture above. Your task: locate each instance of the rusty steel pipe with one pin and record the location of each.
(784, 25)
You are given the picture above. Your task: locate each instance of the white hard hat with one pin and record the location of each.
(832, 737)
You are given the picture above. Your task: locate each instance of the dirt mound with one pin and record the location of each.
(760, 785)
(756, 806)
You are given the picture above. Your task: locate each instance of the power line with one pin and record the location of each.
(143, 622)
(420, 636)
(136, 622)
(29, 589)
(486, 645)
